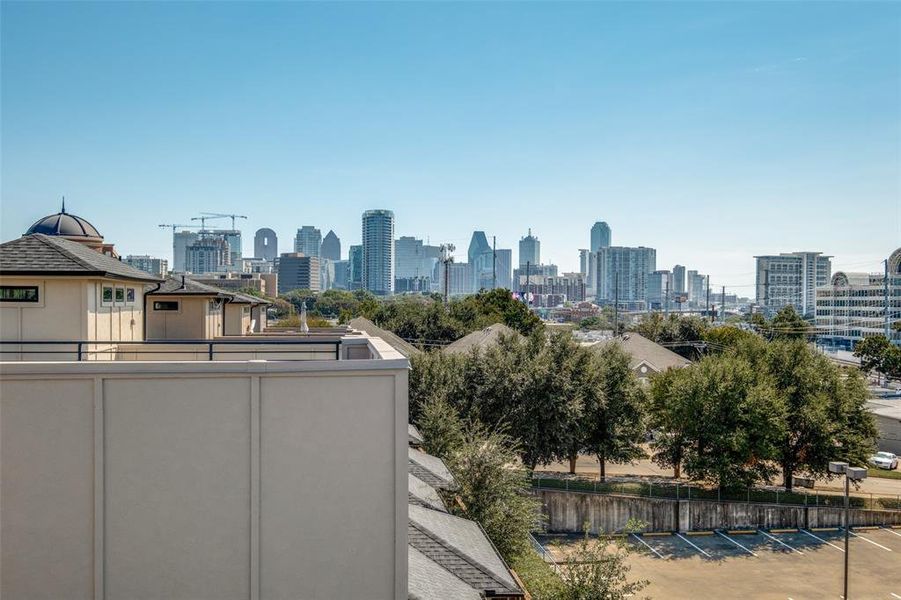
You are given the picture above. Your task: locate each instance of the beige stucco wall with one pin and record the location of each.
(194, 319)
(237, 318)
(71, 309)
(204, 480)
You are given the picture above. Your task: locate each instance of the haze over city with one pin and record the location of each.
(712, 132)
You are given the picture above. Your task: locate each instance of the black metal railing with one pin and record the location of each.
(81, 350)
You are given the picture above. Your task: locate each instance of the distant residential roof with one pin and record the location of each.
(414, 438)
(39, 254)
(479, 339)
(427, 580)
(461, 547)
(422, 494)
(643, 350)
(430, 469)
(365, 325)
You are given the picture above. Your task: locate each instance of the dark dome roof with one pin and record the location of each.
(66, 225)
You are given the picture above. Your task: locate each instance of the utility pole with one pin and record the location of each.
(723, 306)
(494, 262)
(528, 279)
(616, 304)
(446, 259)
(708, 300)
(666, 298)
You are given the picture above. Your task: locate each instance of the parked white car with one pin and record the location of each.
(884, 460)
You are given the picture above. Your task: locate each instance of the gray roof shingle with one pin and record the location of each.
(414, 438)
(422, 494)
(480, 339)
(430, 469)
(462, 548)
(46, 255)
(427, 580)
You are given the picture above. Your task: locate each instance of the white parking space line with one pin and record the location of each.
(816, 537)
(647, 545)
(687, 541)
(869, 540)
(891, 531)
(777, 540)
(894, 595)
(736, 543)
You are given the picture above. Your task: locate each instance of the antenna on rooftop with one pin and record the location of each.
(63, 209)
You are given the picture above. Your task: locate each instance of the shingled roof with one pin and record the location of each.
(461, 547)
(644, 351)
(480, 339)
(45, 255)
(422, 494)
(430, 469)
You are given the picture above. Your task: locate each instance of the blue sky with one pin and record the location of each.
(710, 131)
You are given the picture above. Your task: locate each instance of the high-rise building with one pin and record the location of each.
(529, 250)
(180, 242)
(622, 274)
(481, 257)
(791, 279)
(331, 246)
(859, 305)
(504, 265)
(297, 271)
(308, 241)
(697, 289)
(355, 268)
(232, 237)
(207, 255)
(659, 291)
(600, 236)
(265, 244)
(342, 274)
(378, 251)
(148, 264)
(678, 280)
(459, 279)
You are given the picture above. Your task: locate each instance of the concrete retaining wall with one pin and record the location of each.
(568, 511)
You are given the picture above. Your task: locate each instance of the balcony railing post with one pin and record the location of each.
(210, 350)
(79, 351)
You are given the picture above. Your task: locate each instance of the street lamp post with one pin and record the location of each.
(850, 473)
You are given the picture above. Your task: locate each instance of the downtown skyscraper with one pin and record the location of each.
(600, 236)
(378, 251)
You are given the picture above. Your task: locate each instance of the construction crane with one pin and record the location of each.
(175, 226)
(223, 216)
(204, 219)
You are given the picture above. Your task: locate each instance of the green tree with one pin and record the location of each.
(877, 353)
(599, 570)
(824, 417)
(731, 420)
(614, 409)
(434, 375)
(788, 324)
(682, 333)
(668, 421)
(493, 492)
(441, 427)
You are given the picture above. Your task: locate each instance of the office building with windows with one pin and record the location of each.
(308, 241)
(791, 279)
(378, 251)
(529, 250)
(265, 244)
(600, 236)
(296, 271)
(858, 305)
(207, 255)
(149, 264)
(623, 272)
(331, 246)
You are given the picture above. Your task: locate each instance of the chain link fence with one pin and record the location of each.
(690, 491)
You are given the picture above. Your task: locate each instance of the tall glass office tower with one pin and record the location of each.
(378, 251)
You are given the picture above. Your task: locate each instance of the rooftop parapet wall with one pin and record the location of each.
(126, 479)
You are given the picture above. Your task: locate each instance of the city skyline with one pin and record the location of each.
(681, 150)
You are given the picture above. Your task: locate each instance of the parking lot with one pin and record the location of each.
(788, 565)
